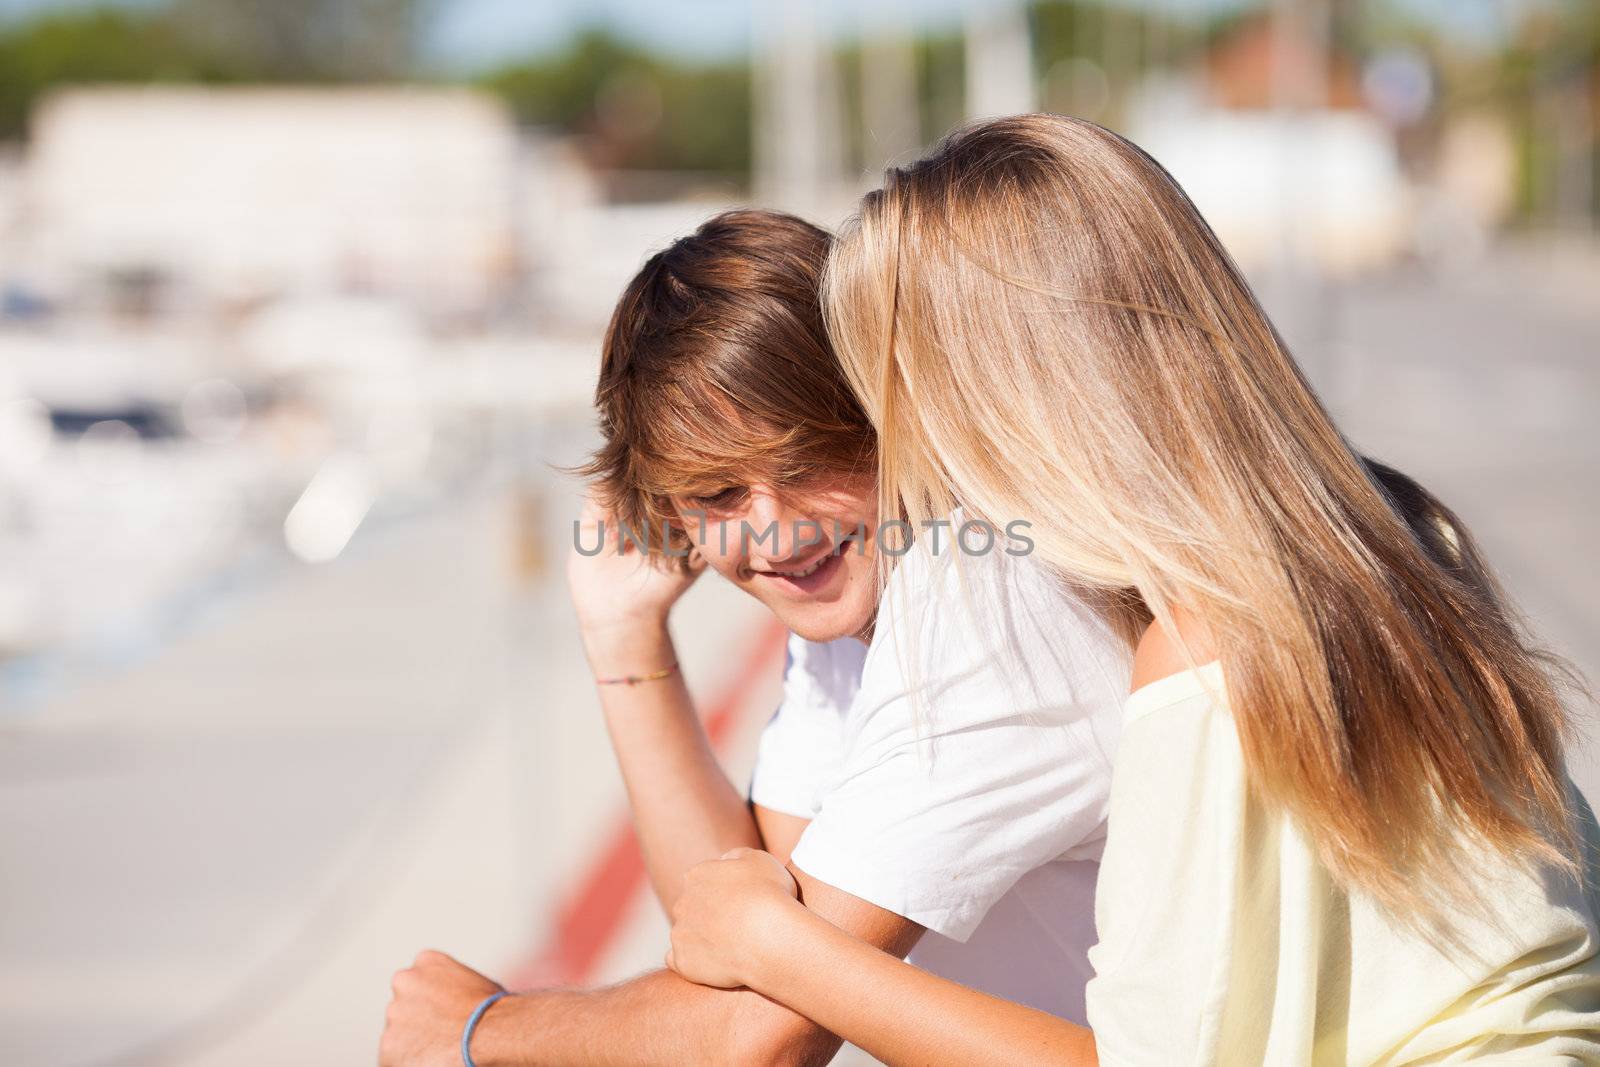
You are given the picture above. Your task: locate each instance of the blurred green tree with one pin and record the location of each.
(634, 109)
(93, 47)
(307, 40)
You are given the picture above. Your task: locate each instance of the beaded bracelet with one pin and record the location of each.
(635, 679)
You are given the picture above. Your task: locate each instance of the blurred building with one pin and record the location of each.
(1245, 70)
(1274, 139)
(241, 194)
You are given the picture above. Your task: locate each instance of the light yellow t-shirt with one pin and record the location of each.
(1223, 940)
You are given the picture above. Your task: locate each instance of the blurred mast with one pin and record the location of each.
(892, 125)
(1157, 49)
(797, 137)
(1302, 40)
(1119, 52)
(1569, 105)
(999, 59)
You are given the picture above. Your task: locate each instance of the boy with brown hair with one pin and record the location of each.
(729, 427)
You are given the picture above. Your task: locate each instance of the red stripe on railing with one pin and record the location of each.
(591, 914)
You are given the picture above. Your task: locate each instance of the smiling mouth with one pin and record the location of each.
(806, 571)
(808, 575)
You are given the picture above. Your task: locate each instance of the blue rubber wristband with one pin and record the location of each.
(472, 1024)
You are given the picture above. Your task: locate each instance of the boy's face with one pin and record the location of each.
(808, 554)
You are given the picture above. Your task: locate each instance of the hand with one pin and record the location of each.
(620, 588)
(430, 1004)
(724, 913)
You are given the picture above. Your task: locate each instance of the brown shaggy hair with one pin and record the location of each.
(716, 372)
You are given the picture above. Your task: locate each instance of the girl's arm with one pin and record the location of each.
(737, 923)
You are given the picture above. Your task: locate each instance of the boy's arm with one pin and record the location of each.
(655, 1019)
(684, 808)
(780, 831)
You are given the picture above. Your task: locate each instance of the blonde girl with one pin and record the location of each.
(1341, 830)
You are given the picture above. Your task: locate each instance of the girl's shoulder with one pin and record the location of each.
(1160, 654)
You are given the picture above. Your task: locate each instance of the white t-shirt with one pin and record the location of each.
(976, 806)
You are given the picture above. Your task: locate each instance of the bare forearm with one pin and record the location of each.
(684, 807)
(618, 1025)
(656, 1020)
(900, 1014)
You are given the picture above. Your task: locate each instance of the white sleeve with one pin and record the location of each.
(798, 754)
(978, 747)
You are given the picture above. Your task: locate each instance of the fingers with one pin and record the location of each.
(596, 514)
(409, 978)
(430, 968)
(612, 535)
(593, 508)
(402, 981)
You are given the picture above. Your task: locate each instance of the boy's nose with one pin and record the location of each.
(773, 536)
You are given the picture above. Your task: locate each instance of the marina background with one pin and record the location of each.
(300, 307)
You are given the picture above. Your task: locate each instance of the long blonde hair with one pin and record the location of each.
(1040, 325)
